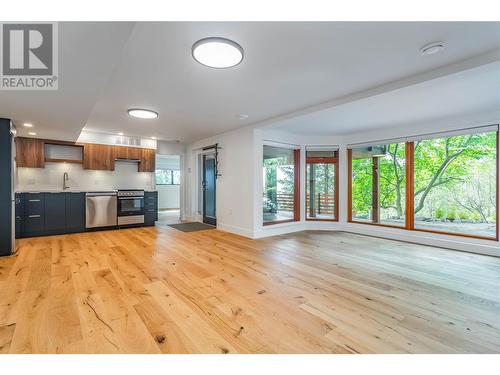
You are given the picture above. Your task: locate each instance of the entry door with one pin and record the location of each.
(209, 190)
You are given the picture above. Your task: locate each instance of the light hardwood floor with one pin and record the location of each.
(158, 290)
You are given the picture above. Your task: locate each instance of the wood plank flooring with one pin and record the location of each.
(158, 290)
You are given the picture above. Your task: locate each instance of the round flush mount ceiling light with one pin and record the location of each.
(142, 113)
(217, 53)
(26, 125)
(431, 48)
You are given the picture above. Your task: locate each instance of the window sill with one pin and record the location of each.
(426, 231)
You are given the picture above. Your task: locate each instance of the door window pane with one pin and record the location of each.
(279, 184)
(455, 184)
(379, 184)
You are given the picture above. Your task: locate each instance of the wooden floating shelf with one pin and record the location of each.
(64, 161)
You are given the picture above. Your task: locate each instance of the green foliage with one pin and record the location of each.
(439, 214)
(454, 176)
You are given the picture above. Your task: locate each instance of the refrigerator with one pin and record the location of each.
(7, 191)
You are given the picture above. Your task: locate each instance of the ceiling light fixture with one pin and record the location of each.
(142, 113)
(242, 117)
(217, 53)
(26, 125)
(431, 48)
(32, 133)
(120, 134)
(153, 138)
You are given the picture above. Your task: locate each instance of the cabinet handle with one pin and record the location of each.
(34, 216)
(34, 200)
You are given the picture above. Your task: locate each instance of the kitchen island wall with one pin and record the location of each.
(125, 176)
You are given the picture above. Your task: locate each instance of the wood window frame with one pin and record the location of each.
(409, 199)
(335, 162)
(296, 192)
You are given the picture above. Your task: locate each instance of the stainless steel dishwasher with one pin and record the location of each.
(100, 209)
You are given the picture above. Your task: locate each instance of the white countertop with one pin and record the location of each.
(62, 191)
(71, 191)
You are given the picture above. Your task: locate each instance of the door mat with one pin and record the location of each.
(191, 227)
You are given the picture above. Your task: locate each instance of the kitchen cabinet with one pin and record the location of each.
(55, 212)
(150, 207)
(98, 157)
(19, 208)
(34, 210)
(43, 214)
(75, 212)
(30, 152)
(147, 160)
(33, 153)
(127, 153)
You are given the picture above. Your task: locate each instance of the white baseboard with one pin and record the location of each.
(470, 245)
(236, 230)
(277, 229)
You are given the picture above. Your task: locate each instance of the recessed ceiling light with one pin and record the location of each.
(217, 52)
(142, 113)
(242, 117)
(153, 138)
(120, 133)
(431, 48)
(32, 133)
(26, 125)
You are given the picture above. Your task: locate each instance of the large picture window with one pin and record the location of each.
(438, 183)
(379, 184)
(281, 187)
(455, 184)
(321, 184)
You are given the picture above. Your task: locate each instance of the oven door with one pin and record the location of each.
(130, 206)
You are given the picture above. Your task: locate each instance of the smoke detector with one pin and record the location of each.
(431, 48)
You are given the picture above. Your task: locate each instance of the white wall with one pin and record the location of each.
(125, 176)
(454, 242)
(239, 191)
(173, 196)
(87, 136)
(234, 194)
(267, 136)
(169, 196)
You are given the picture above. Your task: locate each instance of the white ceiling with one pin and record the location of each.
(88, 54)
(106, 68)
(471, 91)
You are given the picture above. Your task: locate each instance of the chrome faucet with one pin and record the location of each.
(65, 181)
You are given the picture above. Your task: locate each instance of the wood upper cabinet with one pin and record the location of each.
(30, 152)
(148, 160)
(98, 157)
(127, 153)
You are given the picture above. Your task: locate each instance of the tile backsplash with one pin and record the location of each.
(125, 176)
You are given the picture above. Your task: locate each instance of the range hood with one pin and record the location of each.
(128, 160)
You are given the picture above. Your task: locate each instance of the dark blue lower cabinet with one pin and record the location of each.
(55, 212)
(43, 214)
(34, 211)
(150, 207)
(75, 212)
(150, 216)
(19, 215)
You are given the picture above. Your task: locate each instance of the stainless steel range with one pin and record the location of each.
(130, 207)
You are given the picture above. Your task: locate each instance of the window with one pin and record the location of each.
(444, 183)
(167, 177)
(321, 184)
(455, 184)
(281, 185)
(378, 175)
